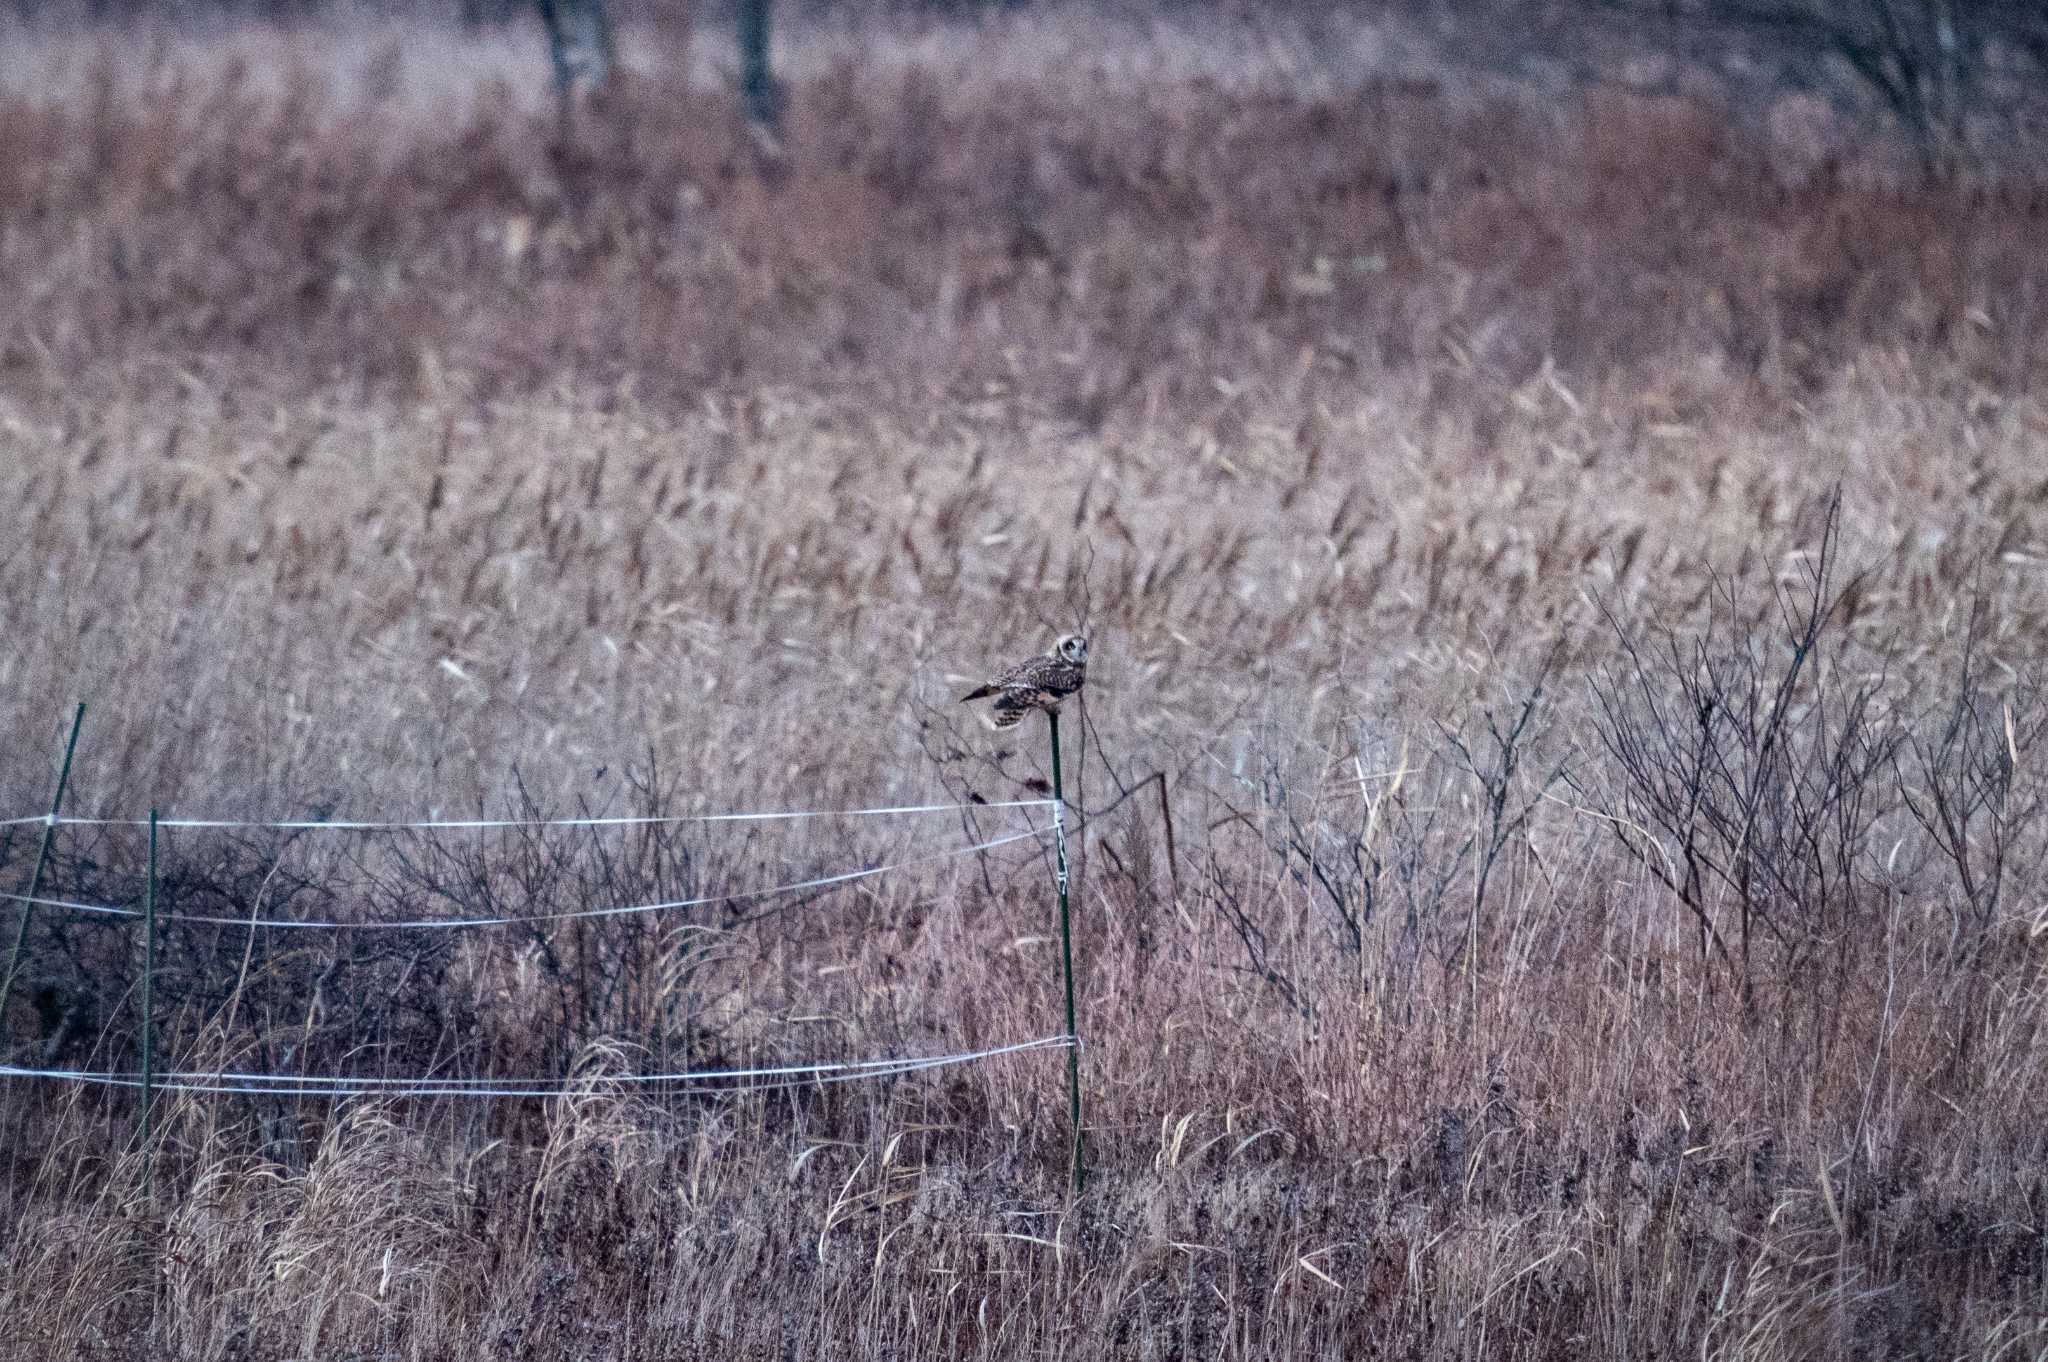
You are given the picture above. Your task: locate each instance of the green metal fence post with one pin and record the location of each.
(149, 1015)
(1059, 843)
(35, 879)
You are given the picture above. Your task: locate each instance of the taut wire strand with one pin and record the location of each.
(486, 824)
(722, 1080)
(443, 924)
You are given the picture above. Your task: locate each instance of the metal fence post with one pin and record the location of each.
(1059, 842)
(35, 879)
(149, 1016)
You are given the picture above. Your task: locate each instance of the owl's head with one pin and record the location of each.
(1071, 648)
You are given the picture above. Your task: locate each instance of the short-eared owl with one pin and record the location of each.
(1040, 683)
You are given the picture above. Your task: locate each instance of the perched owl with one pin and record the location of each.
(1040, 683)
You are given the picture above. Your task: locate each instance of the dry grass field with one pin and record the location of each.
(1578, 570)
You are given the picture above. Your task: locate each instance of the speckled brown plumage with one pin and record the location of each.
(1040, 683)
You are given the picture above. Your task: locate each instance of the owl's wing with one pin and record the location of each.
(1019, 675)
(1012, 705)
(1056, 677)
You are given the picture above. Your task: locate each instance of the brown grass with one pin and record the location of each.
(385, 464)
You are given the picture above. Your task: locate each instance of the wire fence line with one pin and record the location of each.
(448, 923)
(486, 824)
(698, 1082)
(704, 1082)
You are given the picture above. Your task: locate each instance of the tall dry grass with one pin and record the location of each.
(1547, 967)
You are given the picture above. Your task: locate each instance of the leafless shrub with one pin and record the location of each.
(1747, 763)
(1963, 775)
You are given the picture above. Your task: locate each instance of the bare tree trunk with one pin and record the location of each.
(581, 44)
(757, 81)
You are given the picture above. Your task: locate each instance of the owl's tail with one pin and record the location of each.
(980, 694)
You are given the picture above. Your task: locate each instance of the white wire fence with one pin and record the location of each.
(701, 1082)
(684, 1083)
(622, 910)
(485, 824)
